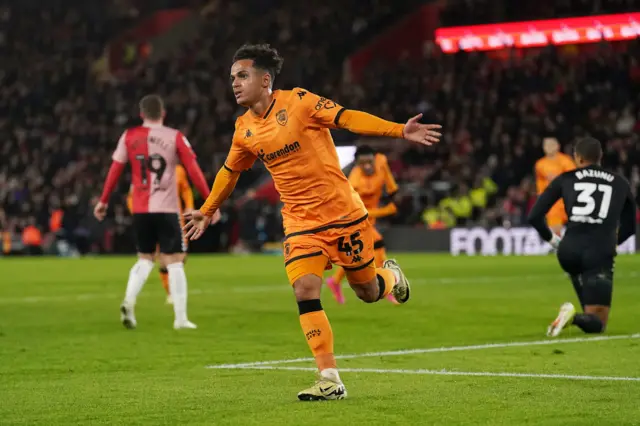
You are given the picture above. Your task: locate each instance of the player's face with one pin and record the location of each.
(366, 163)
(247, 82)
(550, 146)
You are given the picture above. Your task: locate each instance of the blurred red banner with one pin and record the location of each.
(591, 29)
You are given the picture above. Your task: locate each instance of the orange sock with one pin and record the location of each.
(339, 275)
(386, 281)
(317, 330)
(164, 277)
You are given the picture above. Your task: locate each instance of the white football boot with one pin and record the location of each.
(184, 325)
(324, 390)
(566, 314)
(128, 316)
(402, 290)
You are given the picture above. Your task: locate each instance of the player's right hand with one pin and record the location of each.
(196, 225)
(100, 211)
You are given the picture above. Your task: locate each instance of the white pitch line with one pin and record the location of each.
(451, 373)
(434, 350)
(281, 287)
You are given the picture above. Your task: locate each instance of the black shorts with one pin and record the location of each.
(593, 266)
(158, 229)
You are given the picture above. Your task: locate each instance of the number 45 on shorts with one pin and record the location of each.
(351, 246)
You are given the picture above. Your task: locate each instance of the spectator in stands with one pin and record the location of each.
(59, 124)
(32, 237)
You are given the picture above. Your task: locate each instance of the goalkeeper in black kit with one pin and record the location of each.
(602, 212)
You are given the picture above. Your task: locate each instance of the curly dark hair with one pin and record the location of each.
(589, 149)
(364, 150)
(264, 57)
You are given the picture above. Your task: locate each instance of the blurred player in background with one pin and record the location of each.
(154, 151)
(185, 201)
(325, 221)
(602, 215)
(552, 165)
(371, 178)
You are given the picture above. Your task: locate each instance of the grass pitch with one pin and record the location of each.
(477, 326)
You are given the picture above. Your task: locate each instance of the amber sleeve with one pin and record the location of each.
(222, 187)
(130, 200)
(186, 194)
(541, 182)
(367, 124)
(388, 210)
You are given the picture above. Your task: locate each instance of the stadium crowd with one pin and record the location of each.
(59, 123)
(495, 113)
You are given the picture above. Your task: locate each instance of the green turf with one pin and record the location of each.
(65, 359)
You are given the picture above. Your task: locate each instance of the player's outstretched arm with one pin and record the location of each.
(326, 113)
(367, 124)
(199, 220)
(545, 201)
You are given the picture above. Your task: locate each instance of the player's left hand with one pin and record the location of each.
(100, 211)
(425, 134)
(197, 224)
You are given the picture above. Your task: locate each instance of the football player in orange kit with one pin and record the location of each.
(186, 195)
(370, 177)
(325, 221)
(552, 165)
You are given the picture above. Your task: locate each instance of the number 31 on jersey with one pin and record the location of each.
(587, 203)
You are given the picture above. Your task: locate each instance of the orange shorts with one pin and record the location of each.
(378, 239)
(347, 245)
(557, 216)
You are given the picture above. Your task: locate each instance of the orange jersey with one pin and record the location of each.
(371, 188)
(184, 190)
(547, 169)
(293, 141)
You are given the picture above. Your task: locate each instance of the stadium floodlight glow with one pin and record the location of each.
(590, 29)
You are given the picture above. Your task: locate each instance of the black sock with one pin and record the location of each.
(381, 286)
(164, 271)
(577, 286)
(589, 323)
